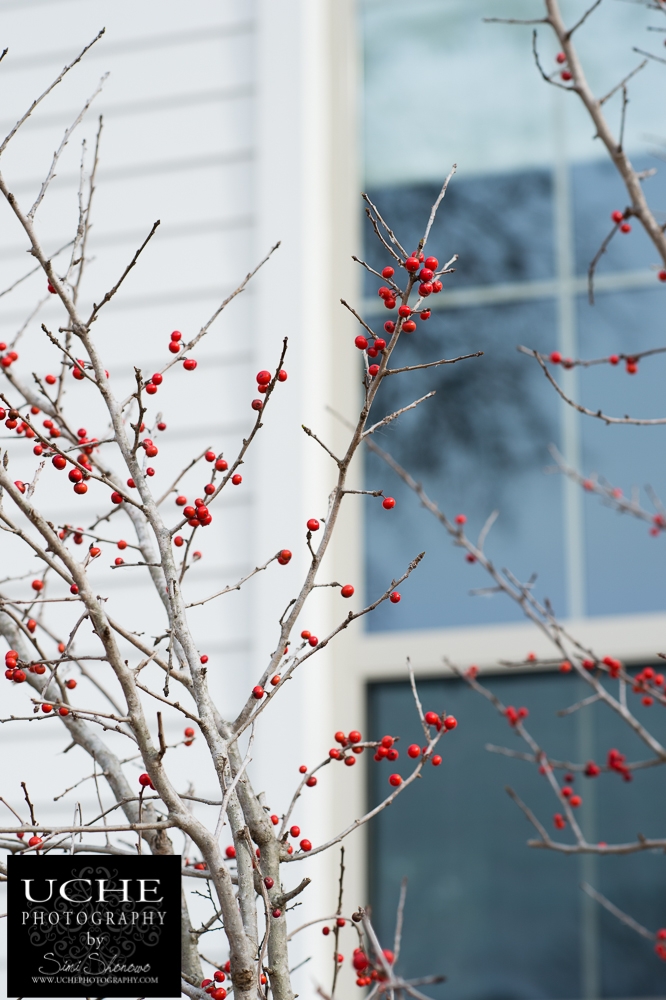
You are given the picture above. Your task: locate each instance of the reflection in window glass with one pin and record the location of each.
(626, 569)
(501, 226)
(479, 445)
(597, 190)
(500, 920)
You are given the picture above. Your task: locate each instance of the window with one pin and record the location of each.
(527, 213)
(499, 919)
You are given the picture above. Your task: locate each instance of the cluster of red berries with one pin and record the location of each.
(561, 59)
(213, 987)
(617, 761)
(13, 423)
(264, 379)
(188, 732)
(619, 218)
(631, 363)
(349, 742)
(189, 364)
(658, 525)
(567, 792)
(515, 715)
(368, 972)
(13, 672)
(644, 681)
(8, 359)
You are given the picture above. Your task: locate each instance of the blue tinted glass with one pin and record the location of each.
(626, 570)
(480, 444)
(501, 225)
(499, 919)
(597, 190)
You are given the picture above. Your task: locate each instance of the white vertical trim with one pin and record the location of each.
(567, 342)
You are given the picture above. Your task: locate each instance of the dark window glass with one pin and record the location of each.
(499, 919)
(626, 571)
(480, 444)
(501, 225)
(597, 190)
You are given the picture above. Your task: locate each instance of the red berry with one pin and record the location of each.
(326, 931)
(389, 326)
(47, 708)
(204, 658)
(409, 326)
(461, 519)
(59, 461)
(426, 312)
(334, 753)
(257, 404)
(414, 750)
(115, 496)
(282, 375)
(426, 274)
(388, 272)
(560, 57)
(355, 736)
(313, 640)
(412, 264)
(391, 754)
(395, 780)
(71, 683)
(258, 692)
(263, 377)
(189, 732)
(662, 275)
(230, 851)
(617, 216)
(555, 357)
(361, 342)
(119, 561)
(35, 841)
(347, 590)
(404, 311)
(236, 480)
(625, 228)
(50, 379)
(373, 370)
(431, 262)
(395, 597)
(37, 585)
(303, 769)
(284, 556)
(277, 913)
(313, 524)
(221, 465)
(189, 364)
(145, 780)
(450, 722)
(350, 761)
(565, 74)
(614, 359)
(388, 503)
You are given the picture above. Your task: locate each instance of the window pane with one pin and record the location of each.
(499, 919)
(501, 227)
(440, 86)
(626, 571)
(481, 444)
(597, 190)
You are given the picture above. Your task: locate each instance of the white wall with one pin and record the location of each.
(232, 123)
